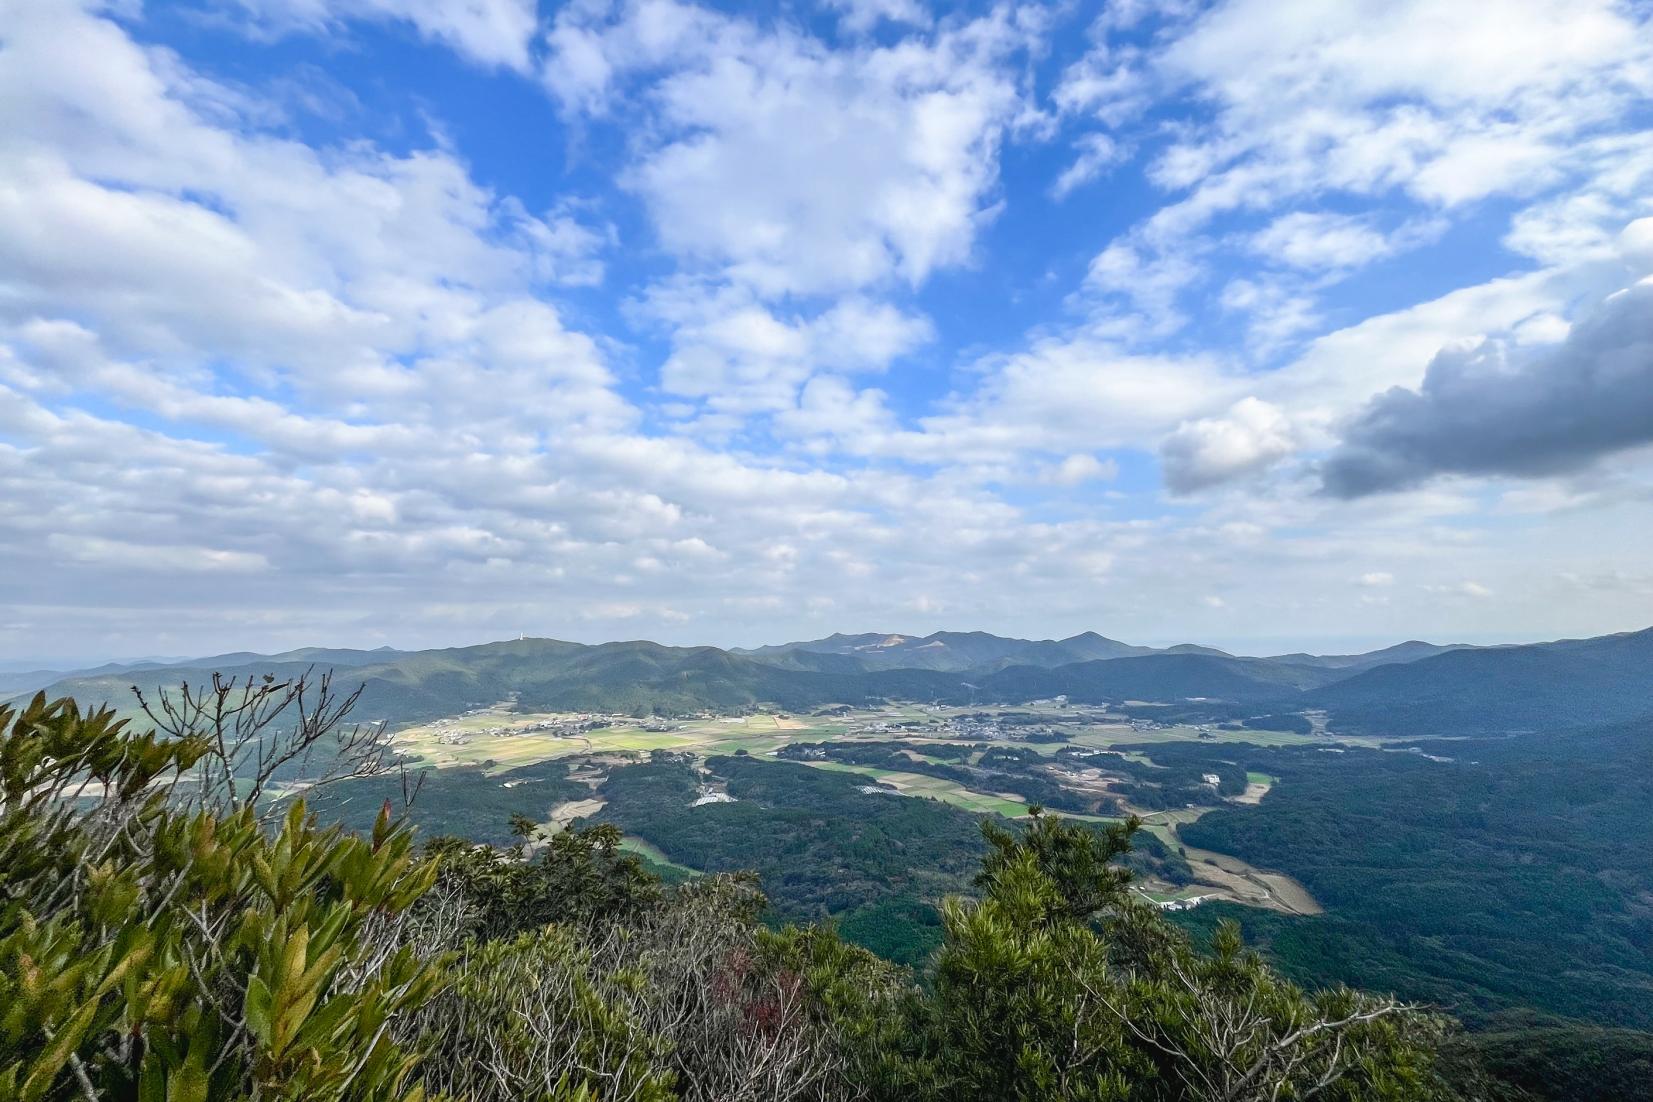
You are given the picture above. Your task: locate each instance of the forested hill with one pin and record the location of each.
(1412, 689)
(1568, 684)
(956, 651)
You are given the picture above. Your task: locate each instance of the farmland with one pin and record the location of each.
(500, 738)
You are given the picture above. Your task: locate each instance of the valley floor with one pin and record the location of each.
(499, 738)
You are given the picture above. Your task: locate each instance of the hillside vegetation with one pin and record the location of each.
(1446, 879)
(1545, 686)
(1412, 689)
(161, 938)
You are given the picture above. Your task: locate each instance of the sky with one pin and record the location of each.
(1270, 324)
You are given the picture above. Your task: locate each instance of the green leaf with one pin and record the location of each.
(187, 1083)
(257, 1009)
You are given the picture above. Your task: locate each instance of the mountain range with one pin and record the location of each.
(1414, 688)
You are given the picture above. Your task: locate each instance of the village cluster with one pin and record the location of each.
(453, 731)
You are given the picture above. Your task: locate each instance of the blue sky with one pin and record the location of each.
(1271, 325)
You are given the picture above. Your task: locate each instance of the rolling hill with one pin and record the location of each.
(1410, 651)
(1169, 677)
(1412, 689)
(1541, 686)
(954, 651)
(642, 677)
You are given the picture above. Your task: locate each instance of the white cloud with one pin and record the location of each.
(1380, 94)
(1150, 281)
(1276, 311)
(1096, 153)
(788, 167)
(1063, 395)
(1250, 437)
(489, 32)
(1316, 240)
(175, 558)
(355, 381)
(863, 15)
(741, 357)
(1465, 588)
(1294, 107)
(1080, 468)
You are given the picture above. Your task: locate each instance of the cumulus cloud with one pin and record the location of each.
(1491, 409)
(741, 356)
(1250, 437)
(1447, 101)
(789, 167)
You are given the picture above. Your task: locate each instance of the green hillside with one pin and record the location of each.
(1456, 692)
(1545, 686)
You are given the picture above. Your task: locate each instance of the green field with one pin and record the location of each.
(864, 770)
(1110, 736)
(654, 854)
(935, 788)
(632, 738)
(1192, 891)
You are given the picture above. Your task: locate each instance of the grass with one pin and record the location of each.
(654, 854)
(936, 788)
(1191, 891)
(1163, 833)
(758, 733)
(1175, 816)
(503, 752)
(948, 792)
(512, 750)
(632, 738)
(1261, 778)
(864, 770)
(1108, 737)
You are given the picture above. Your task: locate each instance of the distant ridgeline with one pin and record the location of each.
(1412, 689)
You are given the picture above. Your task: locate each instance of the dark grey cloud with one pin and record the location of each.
(1491, 410)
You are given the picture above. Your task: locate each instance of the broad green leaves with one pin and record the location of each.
(147, 951)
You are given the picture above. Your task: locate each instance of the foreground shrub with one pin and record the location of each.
(153, 950)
